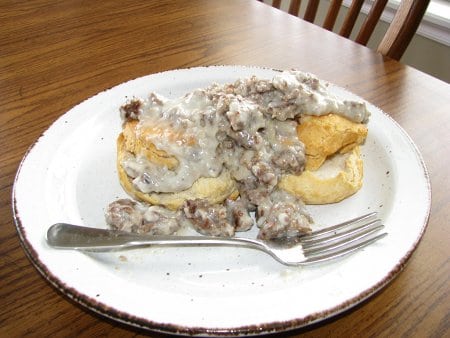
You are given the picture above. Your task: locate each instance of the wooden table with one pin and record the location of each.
(55, 54)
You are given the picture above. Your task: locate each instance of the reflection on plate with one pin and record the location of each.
(69, 175)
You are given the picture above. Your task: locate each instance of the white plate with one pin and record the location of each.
(69, 175)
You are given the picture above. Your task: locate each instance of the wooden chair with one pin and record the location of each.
(397, 37)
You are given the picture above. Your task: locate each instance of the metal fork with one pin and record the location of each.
(322, 245)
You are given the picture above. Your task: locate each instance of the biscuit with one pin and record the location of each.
(326, 135)
(333, 169)
(136, 142)
(339, 177)
(213, 189)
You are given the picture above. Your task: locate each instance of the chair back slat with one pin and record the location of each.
(294, 7)
(397, 37)
(403, 27)
(276, 3)
(311, 10)
(370, 22)
(350, 18)
(332, 14)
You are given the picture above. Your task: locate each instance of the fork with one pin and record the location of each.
(322, 245)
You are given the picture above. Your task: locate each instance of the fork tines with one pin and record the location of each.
(342, 239)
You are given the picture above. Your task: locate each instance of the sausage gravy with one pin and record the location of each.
(247, 128)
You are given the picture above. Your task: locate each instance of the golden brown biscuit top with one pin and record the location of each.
(326, 135)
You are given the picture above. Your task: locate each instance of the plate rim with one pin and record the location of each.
(254, 329)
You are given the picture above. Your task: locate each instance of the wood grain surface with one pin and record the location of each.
(55, 54)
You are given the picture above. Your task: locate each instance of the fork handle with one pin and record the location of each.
(70, 236)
